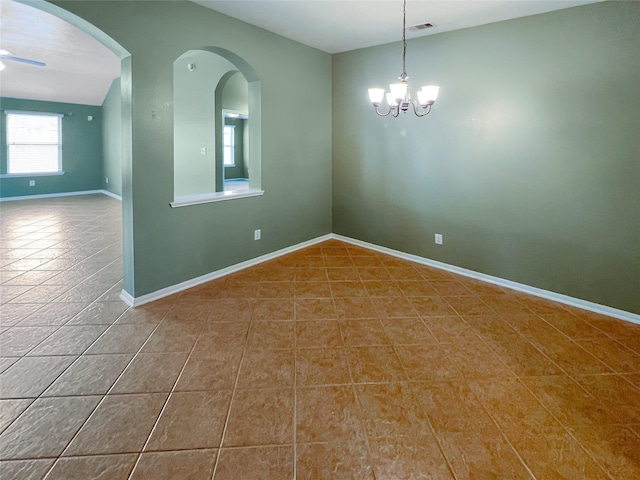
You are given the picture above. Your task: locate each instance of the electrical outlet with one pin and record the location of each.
(32, 183)
(107, 180)
(203, 151)
(257, 234)
(438, 238)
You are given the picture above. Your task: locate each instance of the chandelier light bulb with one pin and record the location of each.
(376, 95)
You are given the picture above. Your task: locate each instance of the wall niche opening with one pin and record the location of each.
(217, 127)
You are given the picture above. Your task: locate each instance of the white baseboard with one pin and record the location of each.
(111, 194)
(63, 194)
(165, 292)
(520, 287)
(128, 299)
(538, 292)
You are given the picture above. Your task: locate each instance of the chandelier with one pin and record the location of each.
(399, 97)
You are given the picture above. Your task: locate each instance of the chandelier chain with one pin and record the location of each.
(404, 39)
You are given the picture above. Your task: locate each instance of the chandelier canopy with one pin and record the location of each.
(399, 96)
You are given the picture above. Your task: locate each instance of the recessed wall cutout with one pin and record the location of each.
(217, 127)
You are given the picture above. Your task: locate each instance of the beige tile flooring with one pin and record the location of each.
(334, 362)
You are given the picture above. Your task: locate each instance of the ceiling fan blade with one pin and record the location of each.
(22, 60)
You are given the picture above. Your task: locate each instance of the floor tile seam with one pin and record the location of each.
(53, 465)
(361, 422)
(615, 371)
(461, 314)
(548, 322)
(417, 399)
(566, 428)
(596, 360)
(84, 352)
(105, 395)
(487, 344)
(594, 324)
(231, 400)
(61, 454)
(538, 349)
(111, 285)
(636, 352)
(143, 449)
(504, 435)
(6, 427)
(75, 434)
(635, 387)
(295, 399)
(89, 306)
(10, 301)
(250, 447)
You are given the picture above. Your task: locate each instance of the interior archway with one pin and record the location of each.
(126, 132)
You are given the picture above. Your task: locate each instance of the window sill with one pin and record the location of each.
(214, 197)
(27, 175)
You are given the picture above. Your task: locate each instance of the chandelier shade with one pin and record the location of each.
(399, 96)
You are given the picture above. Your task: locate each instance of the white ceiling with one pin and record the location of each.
(342, 25)
(80, 70)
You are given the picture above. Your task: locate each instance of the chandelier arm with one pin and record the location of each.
(421, 112)
(383, 114)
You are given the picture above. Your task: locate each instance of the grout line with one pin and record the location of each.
(358, 403)
(416, 399)
(295, 390)
(105, 395)
(233, 396)
(504, 435)
(564, 427)
(171, 392)
(41, 395)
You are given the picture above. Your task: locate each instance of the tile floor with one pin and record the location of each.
(334, 362)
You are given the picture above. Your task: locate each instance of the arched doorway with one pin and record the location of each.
(126, 135)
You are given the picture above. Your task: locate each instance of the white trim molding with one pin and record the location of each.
(538, 292)
(62, 194)
(520, 287)
(111, 194)
(165, 292)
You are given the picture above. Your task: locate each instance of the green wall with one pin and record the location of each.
(81, 150)
(112, 139)
(167, 246)
(195, 121)
(529, 164)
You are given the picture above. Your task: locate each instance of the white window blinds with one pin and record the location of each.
(34, 143)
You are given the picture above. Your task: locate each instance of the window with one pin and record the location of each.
(228, 145)
(34, 143)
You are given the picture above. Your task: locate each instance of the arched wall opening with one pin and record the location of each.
(215, 92)
(126, 128)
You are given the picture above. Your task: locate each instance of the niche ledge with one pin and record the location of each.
(214, 197)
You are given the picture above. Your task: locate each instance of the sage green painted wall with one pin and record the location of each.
(81, 150)
(195, 122)
(175, 245)
(529, 164)
(235, 96)
(112, 139)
